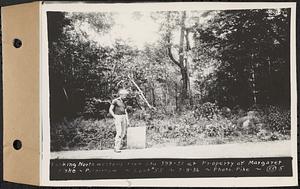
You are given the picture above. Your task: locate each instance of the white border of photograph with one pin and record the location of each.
(207, 182)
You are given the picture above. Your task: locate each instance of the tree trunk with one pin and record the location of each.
(268, 98)
(176, 98)
(184, 89)
(254, 92)
(181, 62)
(153, 96)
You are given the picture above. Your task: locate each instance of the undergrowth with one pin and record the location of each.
(200, 126)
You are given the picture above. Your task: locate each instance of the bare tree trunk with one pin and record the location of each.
(254, 92)
(184, 89)
(167, 89)
(176, 99)
(153, 96)
(167, 95)
(269, 80)
(183, 69)
(181, 63)
(187, 49)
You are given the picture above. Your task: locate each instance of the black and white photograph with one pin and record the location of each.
(170, 83)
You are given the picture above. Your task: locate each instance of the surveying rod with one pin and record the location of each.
(141, 93)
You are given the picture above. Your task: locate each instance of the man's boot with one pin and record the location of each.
(117, 146)
(117, 150)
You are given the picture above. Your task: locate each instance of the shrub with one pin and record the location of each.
(140, 114)
(238, 111)
(249, 124)
(226, 112)
(157, 113)
(206, 110)
(263, 135)
(267, 135)
(180, 128)
(278, 120)
(213, 130)
(220, 127)
(204, 125)
(188, 118)
(82, 134)
(95, 109)
(63, 133)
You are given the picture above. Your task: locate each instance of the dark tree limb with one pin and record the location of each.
(169, 47)
(172, 57)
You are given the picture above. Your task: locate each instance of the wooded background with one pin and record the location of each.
(238, 58)
(213, 77)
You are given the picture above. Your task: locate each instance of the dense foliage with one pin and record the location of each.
(204, 74)
(185, 129)
(251, 49)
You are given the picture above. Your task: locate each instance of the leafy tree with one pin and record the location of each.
(76, 64)
(171, 22)
(252, 47)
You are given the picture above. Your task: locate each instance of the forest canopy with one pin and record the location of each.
(230, 58)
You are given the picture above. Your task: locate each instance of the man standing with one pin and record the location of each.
(119, 112)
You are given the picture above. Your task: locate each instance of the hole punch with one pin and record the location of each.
(17, 144)
(17, 43)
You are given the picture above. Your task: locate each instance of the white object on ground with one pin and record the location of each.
(136, 137)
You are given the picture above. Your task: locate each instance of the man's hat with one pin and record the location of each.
(123, 91)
